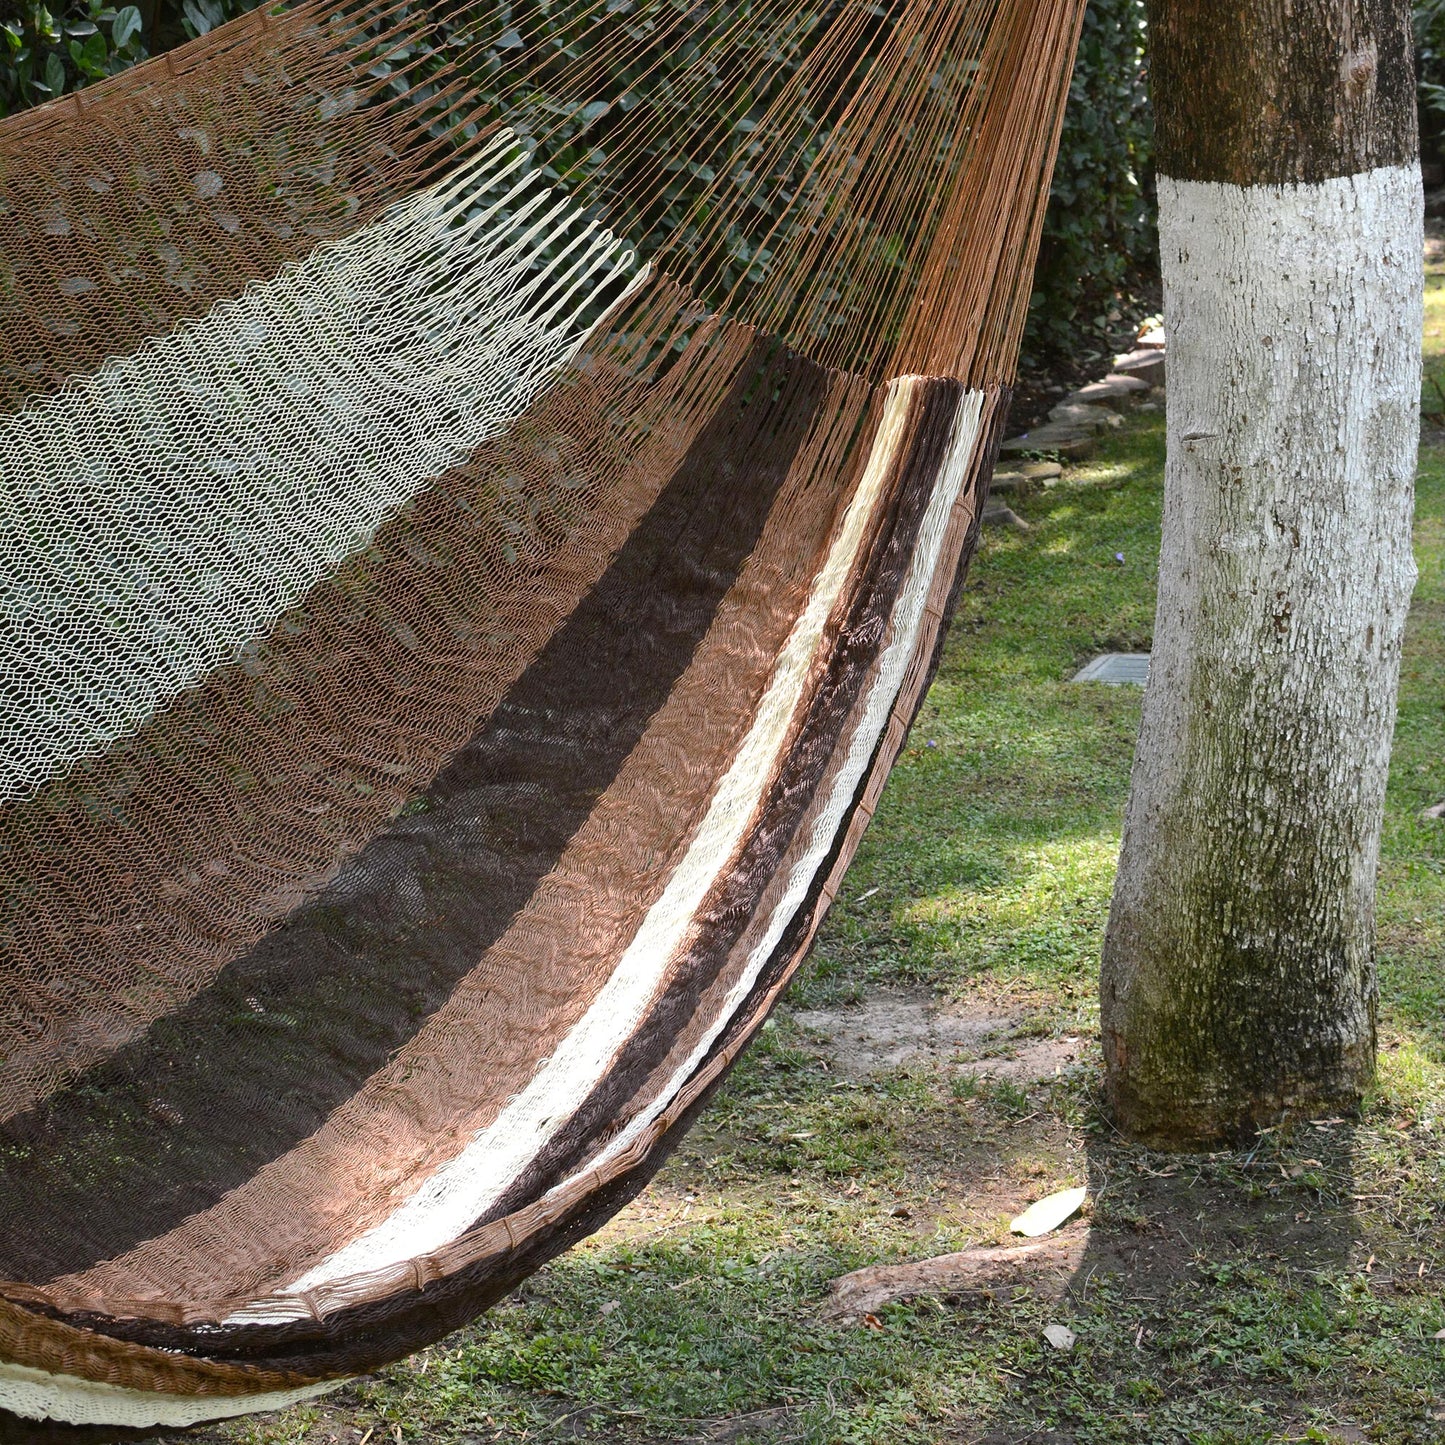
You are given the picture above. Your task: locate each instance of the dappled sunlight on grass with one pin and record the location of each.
(1412, 1074)
(1035, 881)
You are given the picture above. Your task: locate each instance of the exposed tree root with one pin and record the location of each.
(1047, 1263)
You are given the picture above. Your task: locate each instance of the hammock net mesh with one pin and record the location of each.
(481, 491)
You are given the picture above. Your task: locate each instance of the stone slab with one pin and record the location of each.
(1116, 390)
(1064, 441)
(995, 514)
(1119, 669)
(1147, 364)
(1089, 418)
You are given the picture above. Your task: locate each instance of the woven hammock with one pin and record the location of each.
(481, 492)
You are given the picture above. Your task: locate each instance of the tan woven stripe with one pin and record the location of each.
(38, 1343)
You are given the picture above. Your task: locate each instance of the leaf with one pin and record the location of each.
(200, 22)
(1061, 1337)
(1049, 1213)
(54, 73)
(125, 27)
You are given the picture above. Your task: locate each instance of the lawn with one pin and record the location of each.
(1289, 1291)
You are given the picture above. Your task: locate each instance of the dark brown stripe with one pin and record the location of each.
(860, 637)
(458, 1072)
(158, 863)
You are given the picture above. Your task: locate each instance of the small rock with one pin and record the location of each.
(1010, 481)
(1038, 471)
(1435, 811)
(1146, 363)
(1089, 418)
(1061, 1337)
(1151, 334)
(998, 515)
(1116, 390)
(1058, 437)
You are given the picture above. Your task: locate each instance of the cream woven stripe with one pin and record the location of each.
(39, 1395)
(164, 511)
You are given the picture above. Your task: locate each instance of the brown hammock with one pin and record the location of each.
(483, 490)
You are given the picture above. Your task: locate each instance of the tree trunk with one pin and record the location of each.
(1239, 978)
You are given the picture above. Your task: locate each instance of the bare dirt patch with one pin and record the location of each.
(893, 1030)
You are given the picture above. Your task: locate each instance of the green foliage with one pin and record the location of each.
(1430, 64)
(1099, 238)
(47, 52)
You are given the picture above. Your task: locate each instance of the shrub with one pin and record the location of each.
(1430, 70)
(1100, 239)
(45, 52)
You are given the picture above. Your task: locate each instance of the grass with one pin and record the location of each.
(1289, 1292)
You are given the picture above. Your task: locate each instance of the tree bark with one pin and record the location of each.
(1238, 977)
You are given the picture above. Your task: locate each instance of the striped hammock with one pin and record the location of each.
(481, 492)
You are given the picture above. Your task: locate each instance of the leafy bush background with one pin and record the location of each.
(1100, 243)
(49, 50)
(1430, 71)
(1099, 239)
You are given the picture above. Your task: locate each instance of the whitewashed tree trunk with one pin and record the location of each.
(1239, 982)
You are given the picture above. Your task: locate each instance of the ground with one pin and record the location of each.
(935, 1068)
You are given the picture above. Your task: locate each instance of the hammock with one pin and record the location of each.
(483, 489)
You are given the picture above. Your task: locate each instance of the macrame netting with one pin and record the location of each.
(481, 491)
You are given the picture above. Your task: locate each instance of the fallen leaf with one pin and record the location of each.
(872, 1322)
(1438, 1335)
(1061, 1337)
(1049, 1213)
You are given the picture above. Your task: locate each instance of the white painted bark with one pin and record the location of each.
(1238, 969)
